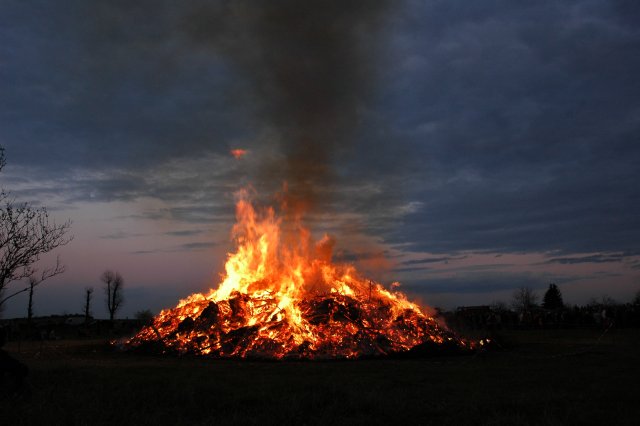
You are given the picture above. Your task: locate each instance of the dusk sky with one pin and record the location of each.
(464, 149)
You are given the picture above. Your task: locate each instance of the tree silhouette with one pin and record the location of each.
(32, 283)
(524, 299)
(113, 284)
(552, 298)
(88, 295)
(26, 233)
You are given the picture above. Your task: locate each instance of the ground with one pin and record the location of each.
(548, 377)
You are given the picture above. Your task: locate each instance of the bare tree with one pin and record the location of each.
(605, 301)
(113, 284)
(26, 233)
(88, 295)
(524, 299)
(32, 283)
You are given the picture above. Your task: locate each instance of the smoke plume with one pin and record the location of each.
(310, 67)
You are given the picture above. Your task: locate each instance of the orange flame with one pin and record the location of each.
(238, 153)
(281, 296)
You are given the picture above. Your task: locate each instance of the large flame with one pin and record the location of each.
(282, 296)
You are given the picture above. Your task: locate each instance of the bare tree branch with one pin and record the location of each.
(26, 233)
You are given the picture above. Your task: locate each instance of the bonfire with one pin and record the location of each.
(282, 297)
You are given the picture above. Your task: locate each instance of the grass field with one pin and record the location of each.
(548, 377)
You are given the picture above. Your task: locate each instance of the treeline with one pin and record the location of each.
(489, 317)
(524, 312)
(58, 327)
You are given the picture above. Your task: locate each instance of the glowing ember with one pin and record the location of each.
(238, 153)
(282, 297)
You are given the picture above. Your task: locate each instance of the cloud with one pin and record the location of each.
(188, 190)
(412, 269)
(489, 127)
(444, 259)
(595, 258)
(487, 282)
(517, 136)
(197, 246)
(349, 256)
(186, 247)
(120, 235)
(184, 233)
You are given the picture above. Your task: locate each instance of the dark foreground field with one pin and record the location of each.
(540, 377)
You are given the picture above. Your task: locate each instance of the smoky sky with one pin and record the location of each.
(310, 66)
(446, 126)
(301, 70)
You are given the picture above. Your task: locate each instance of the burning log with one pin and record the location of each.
(186, 325)
(210, 313)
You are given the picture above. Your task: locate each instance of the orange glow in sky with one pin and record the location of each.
(238, 153)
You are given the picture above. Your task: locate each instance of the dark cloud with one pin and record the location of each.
(467, 271)
(184, 233)
(493, 127)
(412, 269)
(194, 191)
(153, 251)
(134, 84)
(120, 235)
(349, 256)
(108, 84)
(309, 66)
(601, 275)
(417, 265)
(193, 214)
(518, 134)
(186, 247)
(486, 282)
(197, 246)
(588, 214)
(596, 258)
(444, 259)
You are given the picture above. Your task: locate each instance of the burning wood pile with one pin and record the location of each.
(283, 298)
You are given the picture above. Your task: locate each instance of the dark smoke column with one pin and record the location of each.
(310, 64)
